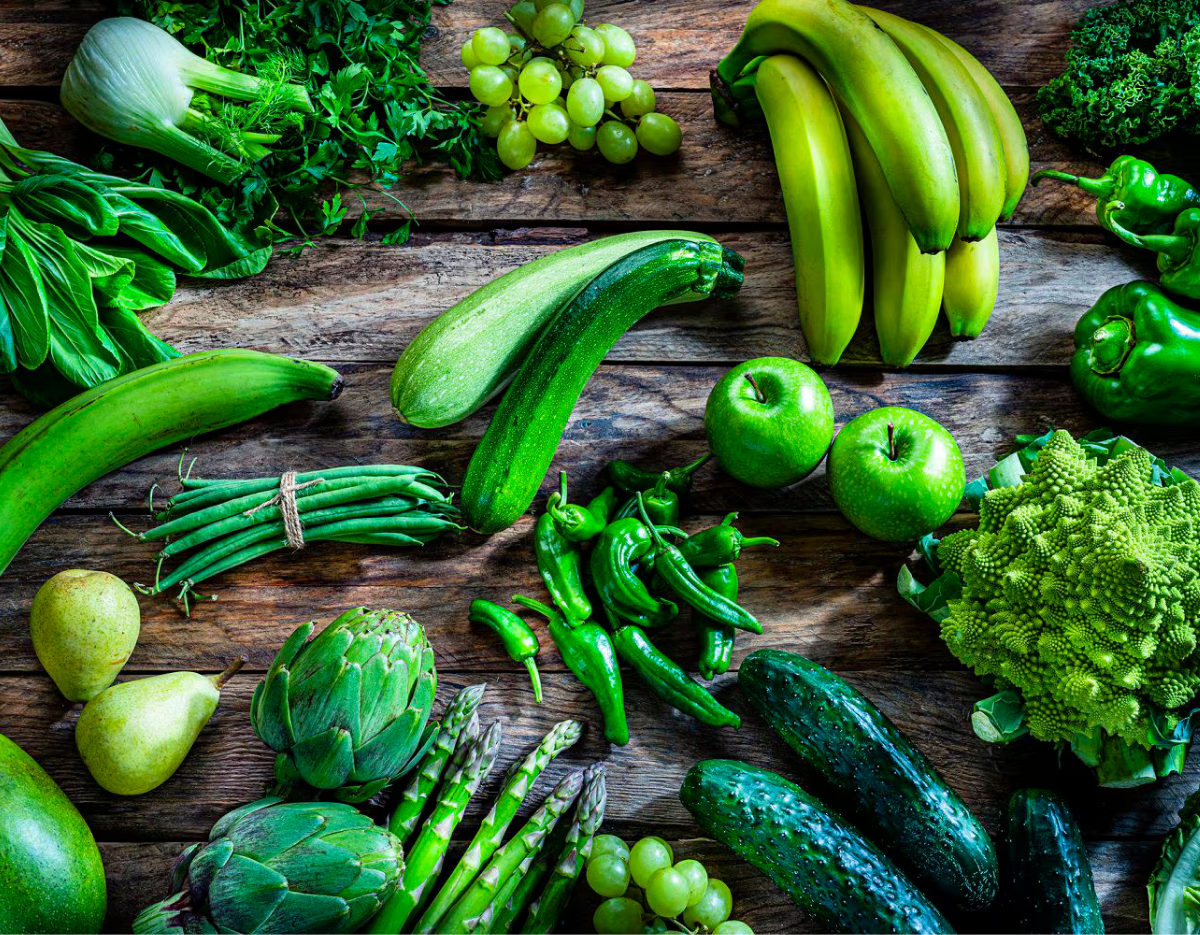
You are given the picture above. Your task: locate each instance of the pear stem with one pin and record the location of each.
(758, 394)
(220, 680)
(891, 441)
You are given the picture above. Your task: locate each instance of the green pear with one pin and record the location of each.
(84, 625)
(133, 736)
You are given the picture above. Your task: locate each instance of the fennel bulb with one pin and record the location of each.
(134, 83)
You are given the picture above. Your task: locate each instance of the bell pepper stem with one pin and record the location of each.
(1177, 248)
(756, 541)
(1101, 187)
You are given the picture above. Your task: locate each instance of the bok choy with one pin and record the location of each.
(1174, 887)
(135, 83)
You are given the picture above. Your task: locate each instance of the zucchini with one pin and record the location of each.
(876, 777)
(511, 460)
(1048, 881)
(463, 357)
(816, 857)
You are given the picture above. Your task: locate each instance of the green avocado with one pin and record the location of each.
(51, 876)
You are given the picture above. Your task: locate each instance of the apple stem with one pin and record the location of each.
(758, 394)
(891, 441)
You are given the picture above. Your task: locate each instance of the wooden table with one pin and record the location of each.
(827, 592)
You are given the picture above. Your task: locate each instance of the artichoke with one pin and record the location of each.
(349, 711)
(274, 866)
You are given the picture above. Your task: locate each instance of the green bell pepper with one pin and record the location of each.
(1149, 201)
(1178, 252)
(1137, 356)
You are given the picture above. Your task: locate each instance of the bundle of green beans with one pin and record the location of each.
(214, 525)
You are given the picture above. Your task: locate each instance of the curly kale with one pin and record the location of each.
(1133, 75)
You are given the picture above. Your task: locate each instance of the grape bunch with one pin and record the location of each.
(557, 80)
(643, 887)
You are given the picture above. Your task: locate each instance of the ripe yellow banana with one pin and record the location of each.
(967, 117)
(817, 177)
(1012, 131)
(972, 285)
(906, 284)
(110, 425)
(875, 83)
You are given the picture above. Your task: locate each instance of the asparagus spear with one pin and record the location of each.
(487, 839)
(505, 909)
(423, 862)
(547, 910)
(465, 913)
(459, 712)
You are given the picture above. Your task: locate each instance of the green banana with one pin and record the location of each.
(108, 426)
(875, 82)
(815, 171)
(967, 118)
(906, 284)
(1008, 122)
(972, 285)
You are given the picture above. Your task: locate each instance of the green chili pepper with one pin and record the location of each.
(1137, 356)
(717, 639)
(1178, 253)
(588, 652)
(578, 523)
(1149, 202)
(561, 565)
(629, 478)
(621, 545)
(662, 503)
(520, 642)
(719, 545)
(682, 581)
(668, 680)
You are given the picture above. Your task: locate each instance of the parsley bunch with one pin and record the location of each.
(375, 109)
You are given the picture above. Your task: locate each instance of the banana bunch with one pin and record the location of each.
(872, 116)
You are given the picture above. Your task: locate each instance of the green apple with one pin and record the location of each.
(896, 474)
(769, 421)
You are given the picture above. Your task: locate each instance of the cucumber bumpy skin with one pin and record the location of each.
(876, 777)
(511, 460)
(839, 878)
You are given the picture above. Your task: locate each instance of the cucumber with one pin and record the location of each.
(1047, 881)
(511, 460)
(876, 777)
(827, 868)
(465, 355)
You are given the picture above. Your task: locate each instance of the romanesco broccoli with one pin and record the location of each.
(1081, 589)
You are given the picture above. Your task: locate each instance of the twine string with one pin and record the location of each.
(286, 500)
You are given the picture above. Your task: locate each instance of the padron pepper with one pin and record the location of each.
(618, 550)
(720, 545)
(682, 581)
(629, 478)
(1149, 201)
(662, 503)
(1137, 356)
(560, 564)
(717, 639)
(1178, 252)
(669, 681)
(581, 523)
(588, 651)
(520, 642)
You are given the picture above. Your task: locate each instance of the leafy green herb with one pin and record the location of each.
(375, 108)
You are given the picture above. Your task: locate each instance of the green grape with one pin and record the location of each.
(516, 44)
(516, 145)
(549, 124)
(585, 102)
(640, 101)
(733, 927)
(667, 893)
(510, 71)
(585, 47)
(540, 81)
(553, 24)
(616, 83)
(714, 906)
(697, 879)
(494, 119)
(655, 926)
(490, 45)
(581, 138)
(649, 855)
(490, 85)
(608, 875)
(617, 917)
(522, 16)
(618, 45)
(469, 59)
(576, 8)
(618, 145)
(659, 134)
(542, 4)
(608, 844)
(636, 894)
